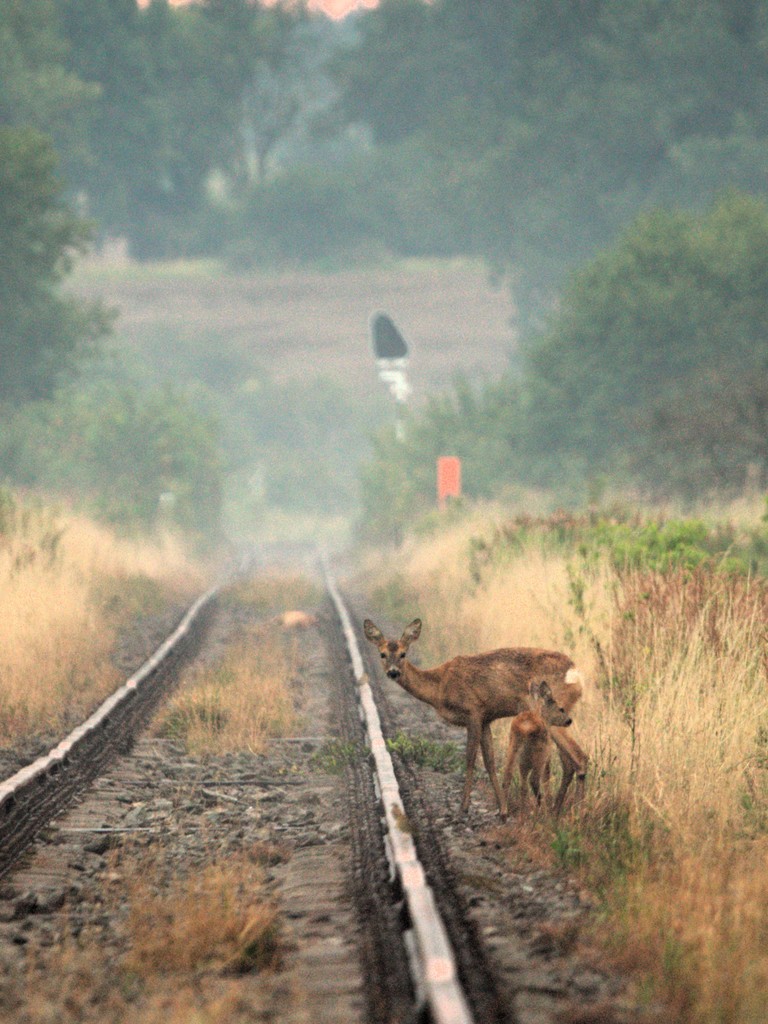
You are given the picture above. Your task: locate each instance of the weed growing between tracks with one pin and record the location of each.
(215, 920)
(237, 701)
(67, 588)
(672, 838)
(185, 944)
(440, 757)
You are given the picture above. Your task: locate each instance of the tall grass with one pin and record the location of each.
(674, 832)
(67, 587)
(684, 682)
(239, 702)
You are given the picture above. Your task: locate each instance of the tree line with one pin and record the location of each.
(579, 147)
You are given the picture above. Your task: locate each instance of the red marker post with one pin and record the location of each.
(448, 479)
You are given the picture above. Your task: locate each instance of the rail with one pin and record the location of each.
(30, 797)
(433, 964)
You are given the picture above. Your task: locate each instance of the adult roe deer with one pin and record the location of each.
(530, 740)
(474, 690)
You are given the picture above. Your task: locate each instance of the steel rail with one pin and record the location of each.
(30, 796)
(433, 963)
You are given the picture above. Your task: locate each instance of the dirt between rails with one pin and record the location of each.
(161, 816)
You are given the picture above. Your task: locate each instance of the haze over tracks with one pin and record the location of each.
(306, 323)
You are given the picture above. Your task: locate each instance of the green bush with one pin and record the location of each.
(629, 540)
(305, 214)
(135, 460)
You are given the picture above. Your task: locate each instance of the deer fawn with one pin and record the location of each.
(474, 690)
(530, 741)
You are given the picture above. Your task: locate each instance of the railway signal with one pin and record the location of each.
(391, 354)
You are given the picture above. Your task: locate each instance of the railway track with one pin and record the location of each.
(452, 983)
(35, 793)
(406, 936)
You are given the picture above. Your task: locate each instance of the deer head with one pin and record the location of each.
(545, 703)
(392, 652)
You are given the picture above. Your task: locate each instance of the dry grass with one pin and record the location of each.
(674, 831)
(239, 702)
(685, 685)
(243, 697)
(66, 587)
(196, 948)
(215, 920)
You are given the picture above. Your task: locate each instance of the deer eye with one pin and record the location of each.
(383, 655)
(402, 655)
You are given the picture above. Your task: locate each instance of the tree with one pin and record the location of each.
(547, 125)
(132, 456)
(42, 334)
(653, 364)
(653, 372)
(36, 88)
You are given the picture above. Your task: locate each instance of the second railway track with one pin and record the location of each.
(354, 952)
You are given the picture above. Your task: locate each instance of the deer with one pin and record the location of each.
(474, 690)
(531, 743)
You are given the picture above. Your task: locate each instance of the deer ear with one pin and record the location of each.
(545, 691)
(373, 633)
(411, 632)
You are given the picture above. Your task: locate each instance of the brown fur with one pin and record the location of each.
(530, 742)
(472, 691)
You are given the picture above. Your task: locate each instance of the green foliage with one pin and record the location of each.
(555, 124)
(304, 214)
(36, 89)
(528, 132)
(42, 334)
(658, 546)
(291, 440)
(474, 425)
(603, 845)
(418, 750)
(568, 848)
(677, 308)
(651, 373)
(630, 540)
(334, 756)
(136, 460)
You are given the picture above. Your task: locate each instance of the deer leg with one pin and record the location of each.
(568, 773)
(534, 778)
(532, 769)
(574, 762)
(473, 741)
(509, 764)
(486, 745)
(546, 775)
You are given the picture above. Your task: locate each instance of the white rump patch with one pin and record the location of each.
(574, 678)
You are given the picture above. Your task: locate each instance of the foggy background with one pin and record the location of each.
(562, 205)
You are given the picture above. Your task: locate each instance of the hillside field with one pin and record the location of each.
(302, 324)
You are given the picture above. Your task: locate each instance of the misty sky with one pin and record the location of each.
(333, 8)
